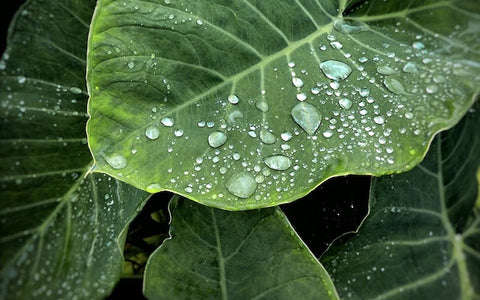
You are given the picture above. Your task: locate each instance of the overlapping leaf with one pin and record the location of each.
(59, 230)
(215, 254)
(243, 104)
(422, 238)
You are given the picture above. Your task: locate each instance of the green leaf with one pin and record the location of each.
(422, 235)
(246, 104)
(60, 231)
(216, 254)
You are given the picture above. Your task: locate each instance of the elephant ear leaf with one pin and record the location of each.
(247, 104)
(422, 235)
(60, 230)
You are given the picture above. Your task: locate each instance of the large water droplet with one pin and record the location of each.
(278, 162)
(217, 139)
(153, 188)
(116, 161)
(262, 106)
(242, 185)
(394, 86)
(349, 26)
(307, 116)
(152, 132)
(345, 103)
(267, 137)
(335, 70)
(386, 70)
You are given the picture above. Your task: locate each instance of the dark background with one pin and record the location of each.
(336, 207)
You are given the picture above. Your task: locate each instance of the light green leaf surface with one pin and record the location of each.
(60, 232)
(422, 237)
(245, 104)
(216, 254)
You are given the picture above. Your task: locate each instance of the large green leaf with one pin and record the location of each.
(244, 104)
(216, 254)
(60, 232)
(422, 238)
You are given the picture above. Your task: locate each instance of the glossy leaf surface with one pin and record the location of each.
(422, 238)
(246, 104)
(216, 254)
(60, 232)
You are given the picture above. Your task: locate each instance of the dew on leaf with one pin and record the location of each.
(336, 45)
(267, 137)
(262, 106)
(152, 132)
(241, 184)
(301, 97)
(349, 26)
(178, 132)
(379, 120)
(418, 45)
(306, 116)
(431, 89)
(233, 99)
(297, 82)
(328, 134)
(335, 70)
(286, 136)
(234, 116)
(386, 70)
(153, 188)
(167, 121)
(75, 90)
(394, 86)
(410, 67)
(345, 103)
(278, 162)
(217, 139)
(131, 65)
(116, 161)
(21, 79)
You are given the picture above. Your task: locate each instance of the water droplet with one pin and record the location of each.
(131, 65)
(364, 92)
(301, 97)
(116, 161)
(152, 132)
(286, 136)
(334, 85)
(315, 90)
(418, 45)
(349, 26)
(21, 79)
(278, 162)
(410, 67)
(297, 82)
(242, 185)
(336, 45)
(439, 79)
(153, 188)
(262, 106)
(233, 99)
(267, 137)
(75, 90)
(199, 22)
(345, 103)
(394, 86)
(236, 156)
(307, 116)
(379, 120)
(234, 116)
(217, 139)
(168, 122)
(328, 134)
(363, 59)
(178, 132)
(335, 70)
(432, 89)
(291, 64)
(386, 70)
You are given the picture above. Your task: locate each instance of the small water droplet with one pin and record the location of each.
(345, 103)
(21, 79)
(431, 89)
(242, 185)
(301, 97)
(334, 85)
(394, 86)
(307, 116)
(286, 136)
(236, 156)
(410, 67)
(178, 132)
(75, 90)
(267, 137)
(234, 116)
(217, 139)
(262, 106)
(152, 132)
(278, 162)
(418, 45)
(199, 22)
(336, 45)
(335, 70)
(291, 64)
(297, 82)
(349, 26)
(379, 120)
(328, 134)
(131, 65)
(167, 121)
(386, 70)
(153, 188)
(116, 161)
(233, 99)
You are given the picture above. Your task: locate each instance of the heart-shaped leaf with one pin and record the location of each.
(216, 254)
(422, 235)
(60, 232)
(244, 104)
